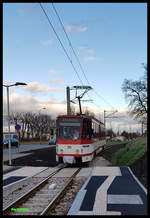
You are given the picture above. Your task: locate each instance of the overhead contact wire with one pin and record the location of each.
(60, 42)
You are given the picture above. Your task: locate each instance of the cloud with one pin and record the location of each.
(85, 50)
(57, 81)
(90, 58)
(36, 87)
(88, 54)
(54, 107)
(46, 42)
(26, 9)
(90, 21)
(122, 122)
(52, 71)
(28, 103)
(71, 28)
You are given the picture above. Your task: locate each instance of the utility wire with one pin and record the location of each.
(70, 42)
(76, 55)
(71, 48)
(60, 42)
(102, 98)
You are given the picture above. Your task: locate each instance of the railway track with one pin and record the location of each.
(114, 147)
(110, 150)
(41, 198)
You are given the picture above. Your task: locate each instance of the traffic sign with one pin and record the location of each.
(17, 127)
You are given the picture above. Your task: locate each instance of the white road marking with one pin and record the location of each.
(100, 205)
(102, 199)
(24, 171)
(106, 171)
(124, 199)
(79, 199)
(145, 190)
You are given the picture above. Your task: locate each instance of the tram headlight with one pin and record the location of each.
(61, 151)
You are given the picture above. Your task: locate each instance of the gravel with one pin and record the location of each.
(63, 207)
(66, 202)
(8, 199)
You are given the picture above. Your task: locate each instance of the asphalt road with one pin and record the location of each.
(43, 157)
(22, 148)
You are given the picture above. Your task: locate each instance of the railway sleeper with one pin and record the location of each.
(38, 201)
(49, 192)
(32, 205)
(44, 196)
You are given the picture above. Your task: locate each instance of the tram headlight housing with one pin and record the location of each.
(61, 151)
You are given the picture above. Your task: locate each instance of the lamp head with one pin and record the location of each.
(18, 83)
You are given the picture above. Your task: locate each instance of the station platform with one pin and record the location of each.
(111, 191)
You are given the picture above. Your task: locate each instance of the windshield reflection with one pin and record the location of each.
(69, 132)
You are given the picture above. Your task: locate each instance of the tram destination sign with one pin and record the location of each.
(69, 120)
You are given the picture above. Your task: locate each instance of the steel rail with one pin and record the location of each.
(59, 195)
(113, 146)
(25, 196)
(108, 148)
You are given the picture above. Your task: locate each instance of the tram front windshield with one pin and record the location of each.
(69, 128)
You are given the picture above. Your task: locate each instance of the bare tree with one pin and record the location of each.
(87, 112)
(73, 110)
(136, 95)
(33, 124)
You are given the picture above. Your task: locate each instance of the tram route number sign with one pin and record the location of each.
(17, 127)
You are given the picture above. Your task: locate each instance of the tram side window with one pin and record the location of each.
(89, 130)
(84, 129)
(95, 128)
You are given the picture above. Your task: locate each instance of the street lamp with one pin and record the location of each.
(40, 123)
(108, 116)
(7, 86)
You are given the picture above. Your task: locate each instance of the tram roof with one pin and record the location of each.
(80, 116)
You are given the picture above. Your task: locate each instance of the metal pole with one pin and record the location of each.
(8, 125)
(104, 118)
(40, 129)
(40, 135)
(104, 123)
(68, 100)
(40, 126)
(80, 105)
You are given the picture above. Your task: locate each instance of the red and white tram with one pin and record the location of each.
(79, 138)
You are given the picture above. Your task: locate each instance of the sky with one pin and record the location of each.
(109, 39)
